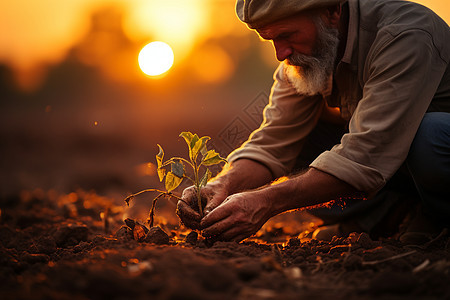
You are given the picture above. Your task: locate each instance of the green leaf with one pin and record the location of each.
(172, 181)
(161, 173)
(160, 156)
(191, 147)
(206, 177)
(159, 160)
(177, 168)
(191, 140)
(200, 146)
(187, 137)
(212, 158)
(203, 150)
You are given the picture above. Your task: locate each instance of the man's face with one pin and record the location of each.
(297, 34)
(308, 48)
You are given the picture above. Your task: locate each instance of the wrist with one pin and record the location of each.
(283, 196)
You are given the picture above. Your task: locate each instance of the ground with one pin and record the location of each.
(77, 246)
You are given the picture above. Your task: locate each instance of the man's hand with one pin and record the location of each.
(213, 194)
(243, 214)
(238, 217)
(242, 174)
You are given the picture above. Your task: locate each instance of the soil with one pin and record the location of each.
(77, 246)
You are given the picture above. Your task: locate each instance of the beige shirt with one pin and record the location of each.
(394, 69)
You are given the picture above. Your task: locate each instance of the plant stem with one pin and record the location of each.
(128, 199)
(199, 200)
(152, 211)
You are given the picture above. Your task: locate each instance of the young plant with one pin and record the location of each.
(199, 156)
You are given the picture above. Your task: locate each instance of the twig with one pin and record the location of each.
(130, 197)
(374, 262)
(319, 264)
(422, 266)
(152, 210)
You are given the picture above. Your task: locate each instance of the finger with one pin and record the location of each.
(216, 229)
(215, 197)
(216, 215)
(212, 204)
(186, 211)
(188, 216)
(189, 196)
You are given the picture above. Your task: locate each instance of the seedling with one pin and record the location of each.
(199, 156)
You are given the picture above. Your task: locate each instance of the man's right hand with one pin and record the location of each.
(241, 175)
(213, 194)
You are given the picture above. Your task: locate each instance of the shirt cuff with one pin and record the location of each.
(275, 167)
(361, 177)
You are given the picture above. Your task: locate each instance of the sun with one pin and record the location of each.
(155, 58)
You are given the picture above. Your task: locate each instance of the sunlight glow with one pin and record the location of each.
(178, 22)
(156, 58)
(30, 41)
(212, 64)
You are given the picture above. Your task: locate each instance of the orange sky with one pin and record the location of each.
(33, 31)
(43, 30)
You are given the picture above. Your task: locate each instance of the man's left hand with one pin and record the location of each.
(238, 217)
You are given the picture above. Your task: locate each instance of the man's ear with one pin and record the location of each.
(332, 15)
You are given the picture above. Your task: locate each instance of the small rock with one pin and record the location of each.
(71, 234)
(46, 245)
(124, 233)
(191, 238)
(352, 237)
(156, 236)
(130, 223)
(139, 232)
(294, 242)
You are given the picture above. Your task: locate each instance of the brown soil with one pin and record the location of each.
(73, 247)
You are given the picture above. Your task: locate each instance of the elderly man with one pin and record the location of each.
(361, 101)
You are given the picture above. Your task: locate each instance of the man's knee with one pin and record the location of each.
(429, 156)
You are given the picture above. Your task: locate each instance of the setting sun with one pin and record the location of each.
(156, 58)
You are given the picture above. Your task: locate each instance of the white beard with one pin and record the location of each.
(310, 75)
(311, 85)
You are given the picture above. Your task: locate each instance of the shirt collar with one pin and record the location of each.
(352, 32)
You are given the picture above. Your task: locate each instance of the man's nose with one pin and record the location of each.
(282, 50)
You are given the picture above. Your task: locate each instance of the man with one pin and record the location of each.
(373, 73)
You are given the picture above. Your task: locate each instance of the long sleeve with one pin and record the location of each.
(288, 119)
(401, 75)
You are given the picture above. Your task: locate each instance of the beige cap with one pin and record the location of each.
(258, 13)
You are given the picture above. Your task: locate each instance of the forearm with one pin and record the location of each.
(308, 189)
(243, 174)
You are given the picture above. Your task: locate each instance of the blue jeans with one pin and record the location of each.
(424, 177)
(428, 163)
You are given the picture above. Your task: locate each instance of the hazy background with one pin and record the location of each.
(77, 112)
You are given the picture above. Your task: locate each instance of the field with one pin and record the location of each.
(66, 168)
(76, 246)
